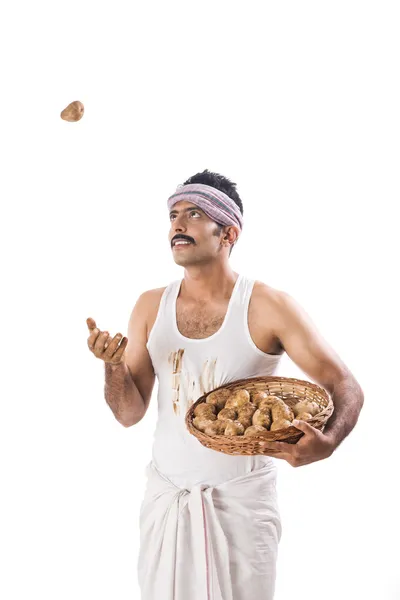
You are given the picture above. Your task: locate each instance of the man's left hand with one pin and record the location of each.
(311, 447)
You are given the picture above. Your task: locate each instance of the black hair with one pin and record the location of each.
(220, 183)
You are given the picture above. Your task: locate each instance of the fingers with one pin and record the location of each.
(271, 448)
(94, 332)
(113, 351)
(279, 449)
(104, 346)
(97, 339)
(303, 426)
(93, 338)
(119, 353)
(99, 344)
(289, 457)
(287, 448)
(91, 323)
(273, 453)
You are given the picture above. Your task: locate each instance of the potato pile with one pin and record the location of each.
(241, 412)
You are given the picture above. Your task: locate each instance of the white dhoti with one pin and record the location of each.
(209, 543)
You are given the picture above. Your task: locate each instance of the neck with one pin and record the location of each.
(208, 283)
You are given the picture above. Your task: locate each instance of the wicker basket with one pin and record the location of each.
(288, 389)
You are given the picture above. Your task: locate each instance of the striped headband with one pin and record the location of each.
(216, 204)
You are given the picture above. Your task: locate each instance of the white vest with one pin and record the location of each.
(186, 369)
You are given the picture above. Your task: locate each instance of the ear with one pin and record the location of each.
(231, 234)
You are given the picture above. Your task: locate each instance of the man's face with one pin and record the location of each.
(190, 224)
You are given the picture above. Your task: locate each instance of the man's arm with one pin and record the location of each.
(314, 356)
(122, 395)
(129, 385)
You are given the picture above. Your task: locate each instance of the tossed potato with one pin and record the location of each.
(255, 430)
(234, 428)
(280, 424)
(204, 409)
(73, 112)
(216, 428)
(227, 414)
(263, 418)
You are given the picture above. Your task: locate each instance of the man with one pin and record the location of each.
(209, 522)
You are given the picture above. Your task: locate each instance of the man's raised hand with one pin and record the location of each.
(103, 346)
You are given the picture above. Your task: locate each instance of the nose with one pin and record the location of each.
(177, 227)
(179, 224)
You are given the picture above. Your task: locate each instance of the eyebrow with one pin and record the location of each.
(186, 210)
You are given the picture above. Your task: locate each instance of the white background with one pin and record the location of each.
(296, 102)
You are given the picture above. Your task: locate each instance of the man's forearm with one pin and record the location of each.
(348, 399)
(122, 395)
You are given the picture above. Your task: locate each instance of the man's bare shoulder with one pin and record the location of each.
(154, 294)
(263, 292)
(272, 301)
(148, 304)
(151, 301)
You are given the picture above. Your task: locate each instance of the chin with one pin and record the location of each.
(181, 261)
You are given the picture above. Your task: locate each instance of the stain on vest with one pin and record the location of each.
(187, 389)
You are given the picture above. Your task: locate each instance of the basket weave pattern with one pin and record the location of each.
(290, 390)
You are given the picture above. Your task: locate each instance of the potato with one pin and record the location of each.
(216, 428)
(255, 430)
(257, 396)
(243, 396)
(238, 399)
(245, 420)
(234, 428)
(202, 422)
(204, 409)
(270, 401)
(280, 424)
(263, 418)
(247, 409)
(279, 412)
(73, 112)
(307, 406)
(227, 413)
(303, 416)
(218, 398)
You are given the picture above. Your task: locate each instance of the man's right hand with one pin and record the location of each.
(105, 347)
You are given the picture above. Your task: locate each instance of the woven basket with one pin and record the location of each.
(290, 390)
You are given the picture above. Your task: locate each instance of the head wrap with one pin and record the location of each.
(216, 204)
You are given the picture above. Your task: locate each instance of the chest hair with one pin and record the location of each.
(200, 321)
